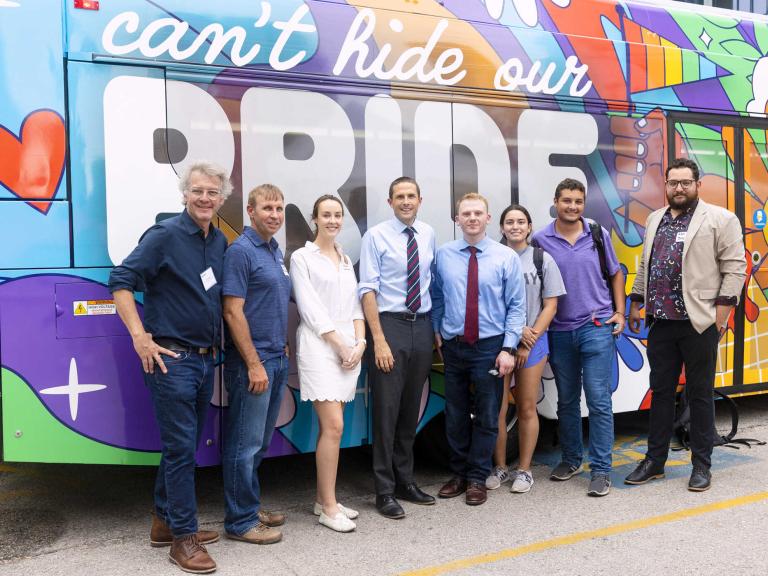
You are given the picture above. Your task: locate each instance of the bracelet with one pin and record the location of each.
(363, 340)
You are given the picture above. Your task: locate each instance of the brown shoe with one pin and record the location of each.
(160, 535)
(454, 487)
(259, 534)
(477, 494)
(271, 519)
(191, 556)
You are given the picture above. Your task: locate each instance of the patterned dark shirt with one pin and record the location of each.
(665, 273)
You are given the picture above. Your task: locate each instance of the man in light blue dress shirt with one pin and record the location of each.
(395, 276)
(478, 314)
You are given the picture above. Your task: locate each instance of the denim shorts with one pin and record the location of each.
(539, 351)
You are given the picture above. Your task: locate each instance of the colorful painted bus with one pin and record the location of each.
(103, 102)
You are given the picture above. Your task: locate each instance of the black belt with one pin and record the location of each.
(177, 346)
(409, 316)
(463, 340)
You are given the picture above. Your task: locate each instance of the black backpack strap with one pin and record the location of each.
(538, 262)
(599, 245)
(730, 439)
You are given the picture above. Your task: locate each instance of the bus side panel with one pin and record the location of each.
(33, 196)
(87, 83)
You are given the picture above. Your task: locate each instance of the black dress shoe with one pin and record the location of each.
(646, 471)
(412, 493)
(701, 479)
(389, 507)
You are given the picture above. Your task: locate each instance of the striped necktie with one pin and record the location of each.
(413, 289)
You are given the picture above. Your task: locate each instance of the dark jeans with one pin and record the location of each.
(180, 399)
(397, 399)
(470, 389)
(670, 344)
(250, 423)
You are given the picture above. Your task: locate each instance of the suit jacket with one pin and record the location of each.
(714, 261)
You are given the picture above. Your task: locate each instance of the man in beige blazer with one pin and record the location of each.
(689, 279)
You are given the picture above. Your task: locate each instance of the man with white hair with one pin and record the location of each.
(178, 265)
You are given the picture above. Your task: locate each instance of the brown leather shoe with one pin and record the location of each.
(271, 519)
(160, 535)
(259, 534)
(191, 556)
(477, 494)
(454, 487)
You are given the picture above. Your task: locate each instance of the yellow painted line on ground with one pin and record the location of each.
(11, 494)
(7, 468)
(577, 537)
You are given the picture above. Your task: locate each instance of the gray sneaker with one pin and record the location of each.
(600, 485)
(565, 471)
(523, 482)
(499, 475)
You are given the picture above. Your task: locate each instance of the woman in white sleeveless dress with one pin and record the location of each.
(330, 341)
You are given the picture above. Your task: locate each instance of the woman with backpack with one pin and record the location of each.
(543, 285)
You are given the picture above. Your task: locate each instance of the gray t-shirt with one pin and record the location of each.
(553, 283)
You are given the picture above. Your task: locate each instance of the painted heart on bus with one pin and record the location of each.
(33, 162)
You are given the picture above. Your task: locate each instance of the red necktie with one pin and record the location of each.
(471, 324)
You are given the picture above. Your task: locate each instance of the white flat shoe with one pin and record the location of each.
(348, 512)
(340, 522)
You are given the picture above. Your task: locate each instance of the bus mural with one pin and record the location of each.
(103, 103)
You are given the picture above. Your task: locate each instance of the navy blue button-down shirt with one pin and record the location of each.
(166, 266)
(254, 270)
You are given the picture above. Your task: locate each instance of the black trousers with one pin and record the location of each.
(670, 344)
(397, 399)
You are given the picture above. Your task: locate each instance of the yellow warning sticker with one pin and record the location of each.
(93, 307)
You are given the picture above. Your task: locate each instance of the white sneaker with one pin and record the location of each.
(348, 512)
(523, 482)
(499, 475)
(340, 522)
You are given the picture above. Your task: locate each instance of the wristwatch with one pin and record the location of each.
(509, 350)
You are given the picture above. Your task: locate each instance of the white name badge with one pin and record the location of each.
(285, 270)
(680, 237)
(208, 278)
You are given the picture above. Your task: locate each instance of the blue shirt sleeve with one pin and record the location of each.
(514, 298)
(141, 265)
(436, 292)
(370, 266)
(237, 267)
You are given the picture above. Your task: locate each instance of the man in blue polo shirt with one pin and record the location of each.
(256, 288)
(582, 348)
(178, 265)
(478, 315)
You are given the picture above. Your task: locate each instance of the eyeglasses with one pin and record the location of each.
(672, 184)
(212, 193)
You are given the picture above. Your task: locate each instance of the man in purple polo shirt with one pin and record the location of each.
(582, 348)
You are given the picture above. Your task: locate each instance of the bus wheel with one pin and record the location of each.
(432, 445)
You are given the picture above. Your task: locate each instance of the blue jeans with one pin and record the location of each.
(584, 357)
(250, 422)
(470, 389)
(180, 398)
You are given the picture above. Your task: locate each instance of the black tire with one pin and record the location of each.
(432, 445)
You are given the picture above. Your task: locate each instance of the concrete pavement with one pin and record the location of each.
(68, 519)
